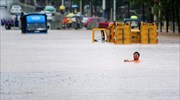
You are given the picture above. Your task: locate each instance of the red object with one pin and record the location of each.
(88, 21)
(65, 20)
(102, 22)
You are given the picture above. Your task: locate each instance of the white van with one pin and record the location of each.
(16, 9)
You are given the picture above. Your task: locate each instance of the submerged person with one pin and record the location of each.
(136, 56)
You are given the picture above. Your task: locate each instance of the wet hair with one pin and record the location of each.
(137, 53)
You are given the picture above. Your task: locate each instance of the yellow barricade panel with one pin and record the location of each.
(149, 40)
(123, 34)
(123, 41)
(135, 36)
(148, 33)
(111, 35)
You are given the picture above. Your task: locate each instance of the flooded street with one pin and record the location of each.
(66, 65)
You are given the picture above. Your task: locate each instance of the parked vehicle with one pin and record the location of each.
(95, 22)
(3, 3)
(3, 20)
(103, 23)
(9, 23)
(48, 14)
(34, 23)
(85, 18)
(50, 9)
(16, 9)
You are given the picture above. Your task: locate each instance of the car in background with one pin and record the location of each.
(82, 17)
(85, 18)
(16, 9)
(3, 3)
(103, 23)
(50, 9)
(48, 14)
(96, 22)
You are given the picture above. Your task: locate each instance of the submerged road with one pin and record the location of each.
(66, 65)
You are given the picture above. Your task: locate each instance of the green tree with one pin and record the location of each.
(169, 10)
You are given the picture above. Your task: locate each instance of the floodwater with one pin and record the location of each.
(66, 65)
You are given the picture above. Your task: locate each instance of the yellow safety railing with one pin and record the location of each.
(121, 33)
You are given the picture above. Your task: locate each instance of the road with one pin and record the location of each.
(66, 65)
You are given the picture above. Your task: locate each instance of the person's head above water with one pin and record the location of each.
(136, 56)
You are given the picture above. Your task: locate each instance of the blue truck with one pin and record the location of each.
(34, 23)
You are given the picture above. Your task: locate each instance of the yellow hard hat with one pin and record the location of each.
(62, 7)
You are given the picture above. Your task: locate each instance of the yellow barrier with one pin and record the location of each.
(123, 41)
(135, 36)
(104, 34)
(123, 34)
(149, 40)
(148, 33)
(111, 35)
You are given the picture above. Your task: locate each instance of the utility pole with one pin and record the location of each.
(80, 6)
(46, 2)
(114, 18)
(104, 8)
(159, 22)
(62, 2)
(35, 2)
